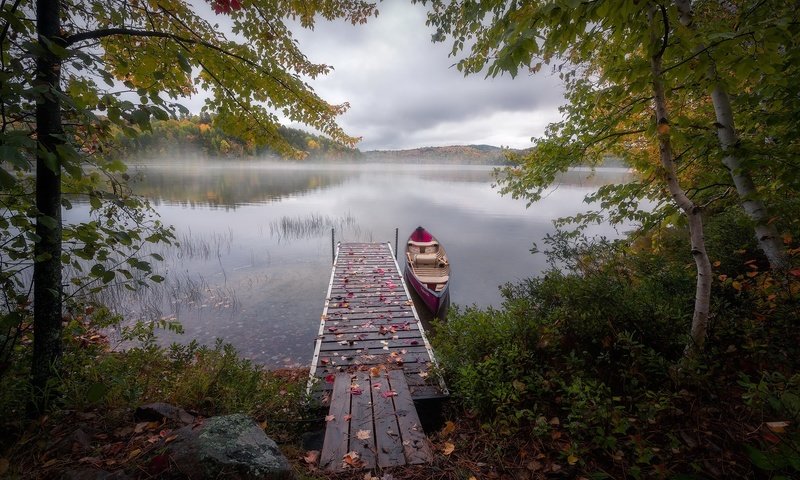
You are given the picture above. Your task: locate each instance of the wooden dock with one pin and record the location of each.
(372, 360)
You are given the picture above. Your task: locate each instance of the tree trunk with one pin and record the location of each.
(47, 289)
(766, 233)
(693, 212)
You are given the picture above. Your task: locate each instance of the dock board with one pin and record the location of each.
(369, 323)
(372, 360)
(372, 423)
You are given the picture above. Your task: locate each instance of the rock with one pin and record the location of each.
(156, 412)
(231, 446)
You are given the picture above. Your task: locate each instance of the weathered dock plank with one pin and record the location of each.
(384, 428)
(372, 360)
(369, 321)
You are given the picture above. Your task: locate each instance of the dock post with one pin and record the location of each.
(333, 246)
(396, 232)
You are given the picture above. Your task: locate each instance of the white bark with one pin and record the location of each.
(766, 233)
(693, 212)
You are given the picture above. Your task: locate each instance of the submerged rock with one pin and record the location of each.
(230, 446)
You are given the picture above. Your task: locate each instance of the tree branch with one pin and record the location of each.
(665, 40)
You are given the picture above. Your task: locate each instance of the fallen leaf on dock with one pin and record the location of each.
(363, 434)
(355, 390)
(389, 393)
(330, 418)
(351, 459)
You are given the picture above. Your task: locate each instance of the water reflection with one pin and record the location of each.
(254, 261)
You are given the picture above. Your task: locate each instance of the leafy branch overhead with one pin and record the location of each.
(76, 72)
(169, 49)
(661, 86)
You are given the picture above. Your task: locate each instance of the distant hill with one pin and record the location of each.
(196, 134)
(461, 154)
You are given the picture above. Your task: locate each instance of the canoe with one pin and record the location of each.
(428, 270)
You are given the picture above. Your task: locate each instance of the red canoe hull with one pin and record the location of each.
(436, 301)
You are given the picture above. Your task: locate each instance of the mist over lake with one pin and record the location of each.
(255, 240)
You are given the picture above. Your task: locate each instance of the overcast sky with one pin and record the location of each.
(405, 93)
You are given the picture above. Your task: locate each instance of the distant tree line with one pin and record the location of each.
(197, 134)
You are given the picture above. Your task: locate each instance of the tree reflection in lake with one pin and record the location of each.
(255, 259)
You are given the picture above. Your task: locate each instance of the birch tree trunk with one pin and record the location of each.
(693, 212)
(47, 289)
(766, 233)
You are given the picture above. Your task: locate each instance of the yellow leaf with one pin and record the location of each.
(363, 434)
(777, 427)
(448, 448)
(572, 459)
(717, 263)
(736, 285)
(449, 427)
(134, 453)
(752, 274)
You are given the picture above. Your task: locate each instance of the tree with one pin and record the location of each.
(603, 51)
(149, 54)
(765, 231)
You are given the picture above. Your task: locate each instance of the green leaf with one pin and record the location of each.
(157, 278)
(184, 63)
(7, 181)
(48, 222)
(98, 270)
(764, 461)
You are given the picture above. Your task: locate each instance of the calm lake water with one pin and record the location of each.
(255, 255)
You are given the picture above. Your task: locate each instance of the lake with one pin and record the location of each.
(255, 255)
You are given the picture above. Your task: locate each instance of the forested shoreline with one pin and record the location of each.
(197, 135)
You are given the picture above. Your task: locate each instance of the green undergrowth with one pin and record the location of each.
(205, 380)
(586, 364)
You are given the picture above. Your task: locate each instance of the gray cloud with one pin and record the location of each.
(405, 93)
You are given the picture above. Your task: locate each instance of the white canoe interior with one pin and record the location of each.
(428, 261)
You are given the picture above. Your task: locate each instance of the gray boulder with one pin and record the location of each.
(230, 446)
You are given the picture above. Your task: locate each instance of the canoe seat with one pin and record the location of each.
(429, 280)
(426, 259)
